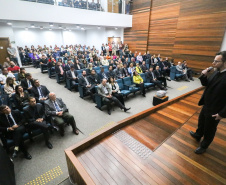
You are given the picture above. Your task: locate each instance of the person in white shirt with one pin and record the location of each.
(5, 74)
(105, 62)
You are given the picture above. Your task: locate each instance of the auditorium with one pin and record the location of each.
(112, 92)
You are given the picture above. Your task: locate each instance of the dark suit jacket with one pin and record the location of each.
(33, 113)
(57, 69)
(94, 79)
(101, 75)
(161, 65)
(69, 74)
(111, 74)
(125, 71)
(214, 96)
(143, 68)
(158, 73)
(50, 108)
(24, 83)
(149, 75)
(4, 124)
(45, 61)
(76, 67)
(67, 67)
(34, 91)
(82, 81)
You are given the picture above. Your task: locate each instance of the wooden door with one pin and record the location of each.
(113, 8)
(115, 39)
(4, 43)
(110, 5)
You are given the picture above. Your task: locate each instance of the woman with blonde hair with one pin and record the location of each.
(10, 86)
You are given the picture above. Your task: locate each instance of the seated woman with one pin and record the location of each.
(131, 69)
(138, 68)
(21, 74)
(89, 69)
(9, 87)
(21, 97)
(85, 64)
(139, 82)
(35, 59)
(115, 89)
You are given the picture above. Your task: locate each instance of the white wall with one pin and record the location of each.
(223, 46)
(92, 37)
(28, 11)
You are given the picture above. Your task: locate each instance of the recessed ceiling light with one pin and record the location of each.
(78, 26)
(51, 24)
(32, 25)
(98, 27)
(41, 27)
(82, 28)
(60, 27)
(50, 29)
(116, 28)
(9, 23)
(69, 30)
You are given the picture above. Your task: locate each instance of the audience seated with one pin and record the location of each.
(105, 90)
(27, 83)
(36, 119)
(189, 70)
(7, 62)
(21, 74)
(94, 78)
(138, 68)
(153, 78)
(72, 76)
(110, 73)
(102, 74)
(10, 86)
(86, 85)
(56, 108)
(131, 69)
(144, 67)
(59, 69)
(5, 74)
(119, 73)
(13, 68)
(159, 76)
(40, 92)
(179, 68)
(11, 125)
(139, 82)
(21, 97)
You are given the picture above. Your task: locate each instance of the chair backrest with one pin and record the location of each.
(106, 68)
(16, 76)
(143, 77)
(96, 68)
(173, 72)
(127, 81)
(120, 83)
(148, 65)
(79, 72)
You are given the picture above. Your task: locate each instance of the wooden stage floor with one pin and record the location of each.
(158, 149)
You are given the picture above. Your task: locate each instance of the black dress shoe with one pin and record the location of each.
(200, 150)
(27, 156)
(109, 112)
(126, 109)
(195, 136)
(168, 79)
(192, 79)
(49, 145)
(15, 153)
(76, 132)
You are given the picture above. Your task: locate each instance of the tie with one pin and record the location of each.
(87, 82)
(57, 107)
(29, 83)
(40, 89)
(61, 70)
(11, 122)
(153, 75)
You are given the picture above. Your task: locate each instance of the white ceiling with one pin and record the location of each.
(28, 24)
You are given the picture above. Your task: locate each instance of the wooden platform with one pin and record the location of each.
(153, 147)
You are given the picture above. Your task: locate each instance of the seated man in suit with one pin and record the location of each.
(11, 125)
(105, 91)
(160, 76)
(153, 78)
(27, 83)
(189, 70)
(87, 86)
(43, 62)
(40, 92)
(144, 67)
(102, 74)
(73, 77)
(58, 111)
(59, 69)
(179, 68)
(93, 78)
(35, 116)
(111, 73)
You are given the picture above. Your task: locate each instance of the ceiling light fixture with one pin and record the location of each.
(51, 24)
(78, 26)
(50, 29)
(116, 28)
(60, 27)
(32, 25)
(41, 27)
(98, 27)
(69, 30)
(9, 23)
(82, 28)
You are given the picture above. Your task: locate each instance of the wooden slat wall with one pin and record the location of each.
(137, 36)
(181, 29)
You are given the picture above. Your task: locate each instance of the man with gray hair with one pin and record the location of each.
(56, 108)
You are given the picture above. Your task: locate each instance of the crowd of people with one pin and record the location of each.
(43, 110)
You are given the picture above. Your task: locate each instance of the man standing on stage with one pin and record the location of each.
(213, 101)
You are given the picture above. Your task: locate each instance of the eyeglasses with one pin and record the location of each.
(217, 61)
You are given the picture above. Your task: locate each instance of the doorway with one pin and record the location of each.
(4, 43)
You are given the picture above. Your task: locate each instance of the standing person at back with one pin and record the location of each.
(213, 101)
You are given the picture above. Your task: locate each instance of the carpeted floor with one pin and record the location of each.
(49, 166)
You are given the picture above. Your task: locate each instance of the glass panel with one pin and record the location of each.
(114, 6)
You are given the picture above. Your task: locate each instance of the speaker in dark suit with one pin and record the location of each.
(35, 116)
(58, 111)
(11, 125)
(213, 101)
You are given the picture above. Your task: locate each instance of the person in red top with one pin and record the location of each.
(110, 48)
(13, 68)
